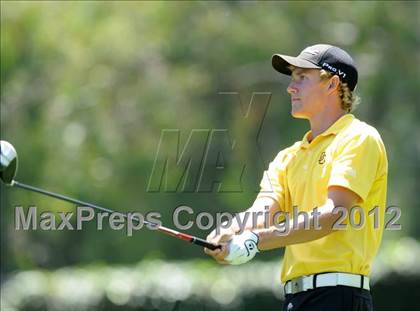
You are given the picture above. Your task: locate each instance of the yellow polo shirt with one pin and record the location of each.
(349, 154)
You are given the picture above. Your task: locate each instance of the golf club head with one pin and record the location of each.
(8, 162)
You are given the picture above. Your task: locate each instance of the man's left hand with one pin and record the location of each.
(242, 248)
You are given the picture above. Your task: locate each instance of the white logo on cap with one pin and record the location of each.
(335, 70)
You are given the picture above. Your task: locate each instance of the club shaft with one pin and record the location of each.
(167, 231)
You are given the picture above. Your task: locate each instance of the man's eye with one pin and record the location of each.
(302, 77)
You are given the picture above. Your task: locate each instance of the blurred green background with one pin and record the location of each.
(87, 89)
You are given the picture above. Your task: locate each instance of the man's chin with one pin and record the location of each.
(298, 115)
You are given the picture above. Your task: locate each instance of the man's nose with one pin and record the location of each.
(291, 89)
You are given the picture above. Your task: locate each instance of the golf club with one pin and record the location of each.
(8, 169)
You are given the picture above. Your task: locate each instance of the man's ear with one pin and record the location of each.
(333, 83)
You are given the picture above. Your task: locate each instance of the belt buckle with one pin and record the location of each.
(297, 285)
(300, 284)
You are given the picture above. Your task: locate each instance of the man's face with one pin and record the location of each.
(307, 92)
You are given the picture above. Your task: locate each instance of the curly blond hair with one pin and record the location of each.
(349, 100)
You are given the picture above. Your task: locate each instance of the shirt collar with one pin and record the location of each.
(336, 127)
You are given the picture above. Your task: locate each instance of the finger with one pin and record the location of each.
(222, 253)
(215, 238)
(217, 254)
(220, 258)
(211, 236)
(213, 252)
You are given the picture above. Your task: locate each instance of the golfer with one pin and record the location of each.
(325, 194)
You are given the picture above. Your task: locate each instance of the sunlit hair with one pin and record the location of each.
(349, 100)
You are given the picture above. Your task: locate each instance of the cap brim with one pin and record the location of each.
(282, 62)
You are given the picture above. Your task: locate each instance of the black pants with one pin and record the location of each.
(334, 298)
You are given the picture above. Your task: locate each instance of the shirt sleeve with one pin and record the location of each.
(355, 165)
(272, 183)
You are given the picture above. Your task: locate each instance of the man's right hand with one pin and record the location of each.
(222, 238)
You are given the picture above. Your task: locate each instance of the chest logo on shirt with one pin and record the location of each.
(321, 159)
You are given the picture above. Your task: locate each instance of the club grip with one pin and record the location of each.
(205, 244)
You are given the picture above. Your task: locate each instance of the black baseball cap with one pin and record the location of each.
(320, 56)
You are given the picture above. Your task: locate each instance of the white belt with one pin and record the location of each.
(313, 281)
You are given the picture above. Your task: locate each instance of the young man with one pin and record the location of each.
(338, 169)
